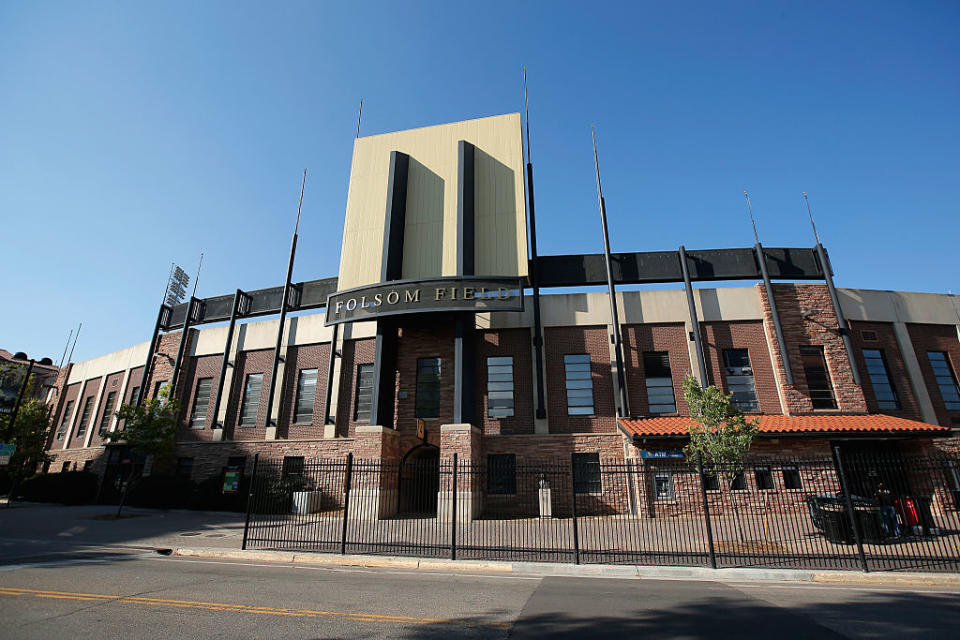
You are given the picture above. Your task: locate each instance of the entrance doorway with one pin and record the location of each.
(420, 481)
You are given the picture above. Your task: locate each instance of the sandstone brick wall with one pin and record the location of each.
(640, 338)
(793, 300)
(935, 337)
(594, 341)
(426, 342)
(718, 336)
(193, 372)
(354, 353)
(506, 342)
(248, 362)
(886, 341)
(299, 357)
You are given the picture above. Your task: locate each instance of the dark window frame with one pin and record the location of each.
(85, 415)
(575, 381)
(816, 372)
(65, 419)
(654, 374)
(945, 380)
(587, 474)
(733, 368)
(878, 371)
(184, 467)
(792, 480)
(363, 393)
(429, 383)
(247, 403)
(502, 474)
(496, 384)
(198, 420)
(763, 476)
(108, 407)
(300, 413)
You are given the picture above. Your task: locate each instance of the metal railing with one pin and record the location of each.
(860, 512)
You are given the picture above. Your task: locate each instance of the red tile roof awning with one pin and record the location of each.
(673, 426)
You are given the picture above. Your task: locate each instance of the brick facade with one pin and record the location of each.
(516, 344)
(195, 370)
(300, 357)
(932, 337)
(354, 353)
(594, 341)
(249, 362)
(718, 336)
(640, 338)
(863, 334)
(90, 391)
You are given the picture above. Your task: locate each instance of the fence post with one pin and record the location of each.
(453, 524)
(852, 515)
(706, 511)
(253, 484)
(346, 503)
(573, 487)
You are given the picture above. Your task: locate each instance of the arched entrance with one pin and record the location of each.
(420, 481)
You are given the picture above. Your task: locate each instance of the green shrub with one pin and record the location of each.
(160, 491)
(68, 487)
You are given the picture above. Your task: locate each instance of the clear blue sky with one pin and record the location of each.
(136, 134)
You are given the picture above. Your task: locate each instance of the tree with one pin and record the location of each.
(150, 430)
(29, 433)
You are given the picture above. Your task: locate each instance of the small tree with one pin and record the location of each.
(149, 430)
(29, 433)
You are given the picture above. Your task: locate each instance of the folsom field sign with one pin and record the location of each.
(479, 295)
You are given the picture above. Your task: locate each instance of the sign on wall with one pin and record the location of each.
(661, 454)
(423, 296)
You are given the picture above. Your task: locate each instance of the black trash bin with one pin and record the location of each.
(836, 524)
(868, 520)
(925, 515)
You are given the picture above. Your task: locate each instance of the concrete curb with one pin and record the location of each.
(840, 578)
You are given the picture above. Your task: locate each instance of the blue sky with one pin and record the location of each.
(136, 134)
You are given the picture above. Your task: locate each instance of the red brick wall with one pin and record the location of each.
(89, 391)
(424, 342)
(506, 342)
(555, 446)
(114, 380)
(899, 380)
(793, 300)
(247, 362)
(937, 337)
(355, 353)
(718, 336)
(195, 369)
(559, 341)
(639, 338)
(312, 356)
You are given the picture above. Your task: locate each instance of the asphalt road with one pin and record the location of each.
(53, 590)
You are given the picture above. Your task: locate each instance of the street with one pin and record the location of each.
(51, 588)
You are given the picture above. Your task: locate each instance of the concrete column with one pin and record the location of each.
(289, 337)
(235, 348)
(912, 364)
(73, 415)
(95, 412)
(330, 430)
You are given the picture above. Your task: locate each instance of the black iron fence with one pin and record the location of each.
(869, 513)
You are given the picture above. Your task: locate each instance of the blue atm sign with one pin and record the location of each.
(659, 454)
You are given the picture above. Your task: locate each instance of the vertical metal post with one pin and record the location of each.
(778, 329)
(182, 346)
(145, 376)
(844, 330)
(453, 513)
(694, 320)
(253, 485)
(225, 363)
(331, 362)
(573, 502)
(346, 503)
(706, 512)
(853, 517)
(537, 328)
(16, 405)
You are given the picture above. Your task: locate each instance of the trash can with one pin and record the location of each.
(925, 515)
(868, 520)
(836, 525)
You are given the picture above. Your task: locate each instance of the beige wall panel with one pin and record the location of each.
(430, 237)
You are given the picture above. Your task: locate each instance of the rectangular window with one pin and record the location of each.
(292, 466)
(157, 386)
(306, 395)
(364, 402)
(879, 375)
(818, 378)
(201, 401)
(739, 376)
(428, 387)
(739, 482)
(87, 465)
(185, 467)
(107, 412)
(656, 367)
(65, 467)
(236, 462)
(134, 394)
(946, 379)
(251, 399)
(500, 387)
(791, 478)
(663, 485)
(579, 384)
(502, 474)
(85, 416)
(711, 481)
(64, 419)
(586, 473)
(764, 477)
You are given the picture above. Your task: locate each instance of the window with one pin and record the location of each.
(184, 467)
(739, 482)
(107, 412)
(306, 395)
(157, 386)
(791, 478)
(579, 385)
(237, 462)
(764, 477)
(201, 400)
(85, 416)
(818, 378)
(87, 465)
(64, 419)
(364, 401)
(946, 379)
(65, 467)
(251, 399)
(711, 481)
(663, 485)
(586, 473)
(879, 375)
(656, 366)
(739, 376)
(134, 394)
(428, 387)
(500, 387)
(502, 474)
(292, 466)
